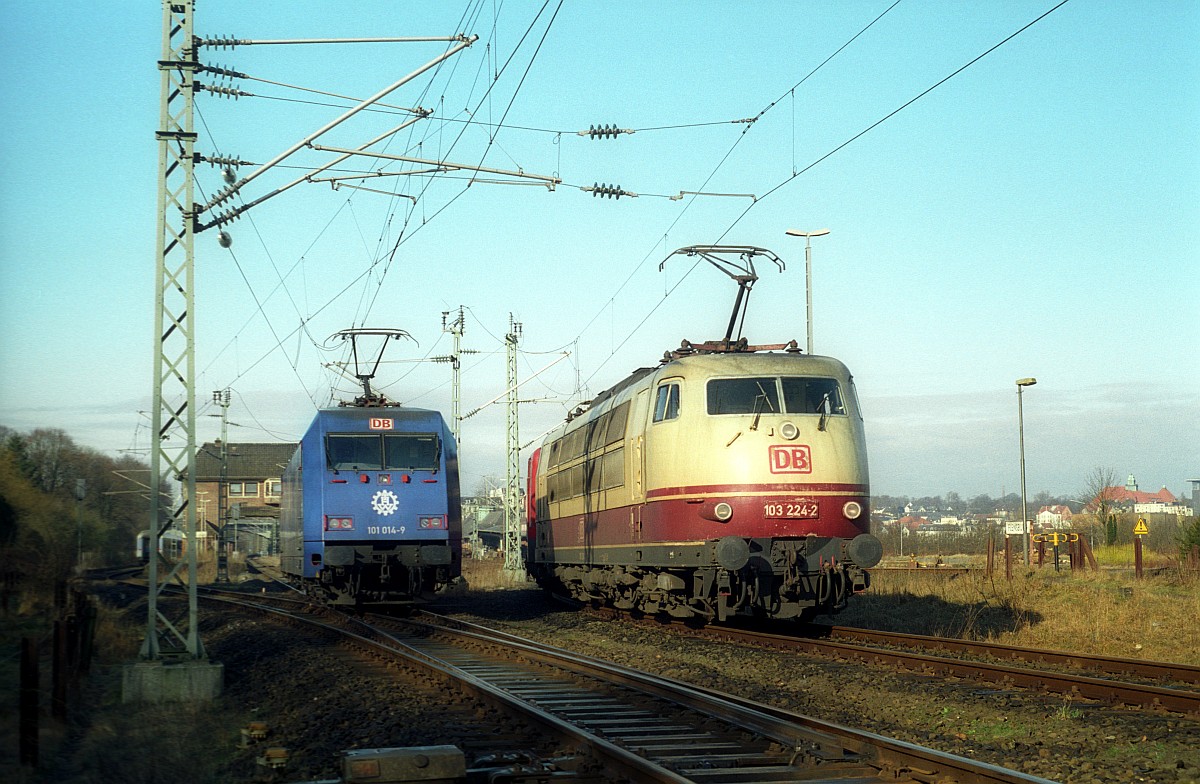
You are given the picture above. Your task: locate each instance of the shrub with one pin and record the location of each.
(1189, 536)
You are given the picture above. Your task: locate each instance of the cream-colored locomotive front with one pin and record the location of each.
(725, 481)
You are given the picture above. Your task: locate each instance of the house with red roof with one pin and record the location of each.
(1056, 516)
(1141, 502)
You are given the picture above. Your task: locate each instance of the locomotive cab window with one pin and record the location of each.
(411, 452)
(813, 396)
(347, 452)
(743, 396)
(666, 405)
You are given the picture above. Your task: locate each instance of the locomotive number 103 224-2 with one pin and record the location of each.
(792, 509)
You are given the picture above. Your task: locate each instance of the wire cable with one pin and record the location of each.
(814, 163)
(891, 114)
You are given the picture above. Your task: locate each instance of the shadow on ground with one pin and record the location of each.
(913, 614)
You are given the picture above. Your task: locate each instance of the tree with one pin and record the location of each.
(42, 470)
(1189, 537)
(1101, 501)
(50, 453)
(983, 505)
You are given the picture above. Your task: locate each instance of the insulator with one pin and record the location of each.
(228, 92)
(604, 131)
(609, 191)
(224, 160)
(222, 196)
(223, 71)
(218, 43)
(226, 217)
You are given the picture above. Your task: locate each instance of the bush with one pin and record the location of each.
(1189, 536)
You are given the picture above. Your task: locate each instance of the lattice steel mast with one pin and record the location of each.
(512, 493)
(173, 416)
(457, 329)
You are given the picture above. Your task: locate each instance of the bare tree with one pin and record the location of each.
(1101, 500)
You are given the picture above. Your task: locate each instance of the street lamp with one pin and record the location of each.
(808, 235)
(1021, 383)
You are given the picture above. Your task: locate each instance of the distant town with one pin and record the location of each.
(953, 514)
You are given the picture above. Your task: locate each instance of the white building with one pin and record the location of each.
(1056, 517)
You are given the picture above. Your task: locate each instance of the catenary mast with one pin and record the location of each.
(173, 415)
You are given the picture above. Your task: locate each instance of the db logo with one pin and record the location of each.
(788, 459)
(380, 424)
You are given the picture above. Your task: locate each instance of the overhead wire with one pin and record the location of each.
(302, 319)
(501, 124)
(893, 113)
(400, 239)
(679, 216)
(814, 163)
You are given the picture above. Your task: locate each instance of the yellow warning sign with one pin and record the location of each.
(1141, 529)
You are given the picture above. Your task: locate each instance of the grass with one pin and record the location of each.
(1106, 613)
(488, 574)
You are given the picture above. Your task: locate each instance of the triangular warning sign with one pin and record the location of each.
(1141, 529)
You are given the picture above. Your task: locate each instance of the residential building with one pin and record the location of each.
(1056, 516)
(1138, 501)
(253, 488)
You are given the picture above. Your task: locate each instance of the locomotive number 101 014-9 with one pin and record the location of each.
(792, 510)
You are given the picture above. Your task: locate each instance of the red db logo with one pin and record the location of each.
(380, 424)
(789, 459)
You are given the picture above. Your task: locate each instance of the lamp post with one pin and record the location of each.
(808, 309)
(1021, 383)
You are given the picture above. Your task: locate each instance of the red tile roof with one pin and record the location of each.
(1122, 496)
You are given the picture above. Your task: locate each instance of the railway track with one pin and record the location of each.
(695, 733)
(1047, 670)
(1140, 668)
(636, 726)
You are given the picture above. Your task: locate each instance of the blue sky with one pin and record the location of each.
(1036, 214)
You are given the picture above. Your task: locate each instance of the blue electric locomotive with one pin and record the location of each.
(370, 510)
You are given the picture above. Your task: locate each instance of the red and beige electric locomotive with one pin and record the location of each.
(729, 480)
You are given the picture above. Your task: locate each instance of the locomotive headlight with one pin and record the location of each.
(852, 510)
(789, 431)
(720, 512)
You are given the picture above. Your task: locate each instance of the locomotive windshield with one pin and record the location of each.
(353, 452)
(411, 452)
(812, 396)
(374, 452)
(761, 396)
(743, 396)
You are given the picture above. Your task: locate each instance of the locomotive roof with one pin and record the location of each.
(708, 353)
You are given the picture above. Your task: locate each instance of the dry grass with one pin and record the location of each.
(1107, 613)
(488, 574)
